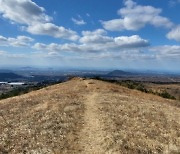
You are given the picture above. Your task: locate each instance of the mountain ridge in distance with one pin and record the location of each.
(120, 73)
(9, 76)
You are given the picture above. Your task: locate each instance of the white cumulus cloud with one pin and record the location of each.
(23, 11)
(78, 21)
(174, 33)
(131, 41)
(33, 17)
(20, 41)
(167, 50)
(52, 30)
(135, 17)
(96, 41)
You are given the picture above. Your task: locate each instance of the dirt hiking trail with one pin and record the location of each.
(93, 135)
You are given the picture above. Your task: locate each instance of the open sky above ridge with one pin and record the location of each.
(127, 34)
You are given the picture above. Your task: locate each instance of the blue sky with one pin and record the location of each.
(139, 34)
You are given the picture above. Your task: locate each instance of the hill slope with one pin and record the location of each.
(9, 76)
(89, 116)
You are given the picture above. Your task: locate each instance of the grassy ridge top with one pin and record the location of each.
(120, 120)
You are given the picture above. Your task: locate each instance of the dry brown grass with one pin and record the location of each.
(172, 89)
(45, 121)
(138, 122)
(52, 120)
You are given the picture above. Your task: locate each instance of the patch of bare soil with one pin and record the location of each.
(92, 135)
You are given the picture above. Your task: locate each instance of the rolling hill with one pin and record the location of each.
(89, 117)
(9, 76)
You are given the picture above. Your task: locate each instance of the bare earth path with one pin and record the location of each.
(92, 137)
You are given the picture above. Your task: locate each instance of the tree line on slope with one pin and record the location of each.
(138, 86)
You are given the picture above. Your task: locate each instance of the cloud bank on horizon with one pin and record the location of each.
(39, 34)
